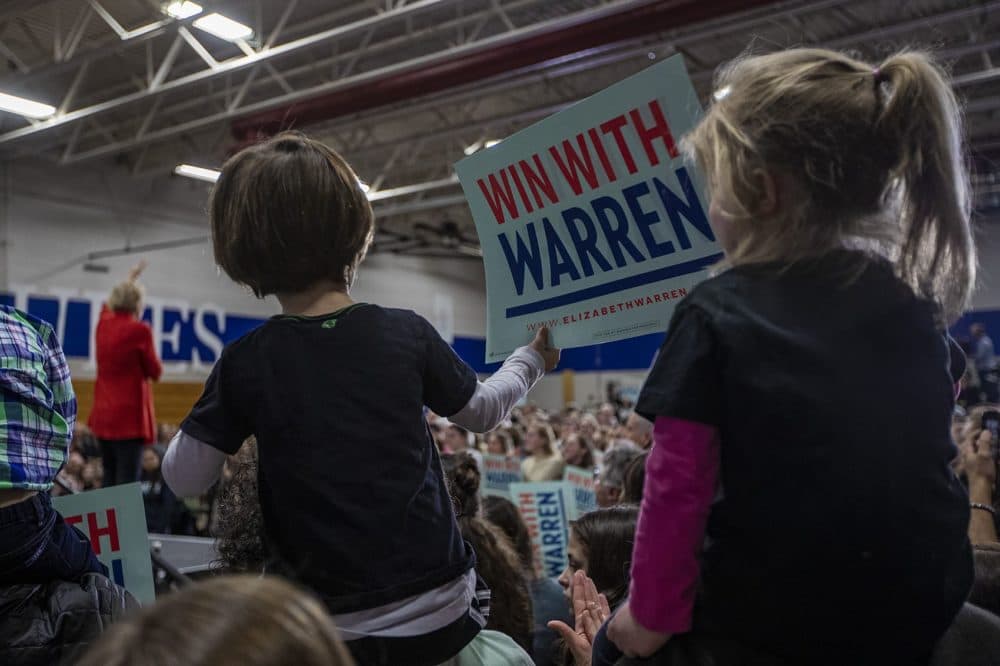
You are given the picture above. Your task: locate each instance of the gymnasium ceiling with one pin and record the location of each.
(404, 88)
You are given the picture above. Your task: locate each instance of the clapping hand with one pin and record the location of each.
(590, 611)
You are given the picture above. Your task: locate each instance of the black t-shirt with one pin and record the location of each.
(840, 531)
(353, 497)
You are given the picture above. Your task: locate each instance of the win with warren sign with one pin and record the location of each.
(590, 221)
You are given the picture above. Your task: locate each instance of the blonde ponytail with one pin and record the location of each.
(922, 117)
(874, 154)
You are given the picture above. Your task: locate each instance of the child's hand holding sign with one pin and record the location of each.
(541, 345)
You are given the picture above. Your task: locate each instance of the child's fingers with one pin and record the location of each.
(542, 339)
(982, 445)
(605, 606)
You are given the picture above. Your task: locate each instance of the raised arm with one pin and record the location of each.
(494, 398)
(452, 390)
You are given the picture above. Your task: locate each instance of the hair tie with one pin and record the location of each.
(879, 75)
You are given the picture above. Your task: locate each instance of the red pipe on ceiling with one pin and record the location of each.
(483, 64)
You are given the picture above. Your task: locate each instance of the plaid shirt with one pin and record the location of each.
(37, 405)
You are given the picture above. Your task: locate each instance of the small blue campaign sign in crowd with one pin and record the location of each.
(581, 480)
(114, 519)
(590, 221)
(498, 473)
(546, 509)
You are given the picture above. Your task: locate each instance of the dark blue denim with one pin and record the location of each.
(37, 546)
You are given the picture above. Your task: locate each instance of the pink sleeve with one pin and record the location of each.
(681, 475)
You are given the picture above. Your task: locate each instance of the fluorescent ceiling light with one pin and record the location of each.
(25, 107)
(197, 172)
(212, 175)
(479, 145)
(223, 28)
(183, 10)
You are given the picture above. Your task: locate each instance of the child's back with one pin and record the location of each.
(802, 399)
(352, 494)
(348, 472)
(832, 396)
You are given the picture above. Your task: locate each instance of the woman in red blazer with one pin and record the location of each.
(122, 417)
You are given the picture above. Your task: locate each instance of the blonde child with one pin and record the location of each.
(799, 506)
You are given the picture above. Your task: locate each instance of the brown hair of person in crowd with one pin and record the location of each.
(499, 443)
(635, 480)
(227, 621)
(496, 561)
(239, 524)
(548, 436)
(288, 214)
(501, 512)
(869, 155)
(582, 449)
(607, 535)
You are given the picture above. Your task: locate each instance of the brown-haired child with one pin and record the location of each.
(354, 501)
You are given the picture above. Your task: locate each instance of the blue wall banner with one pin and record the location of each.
(186, 336)
(191, 336)
(590, 221)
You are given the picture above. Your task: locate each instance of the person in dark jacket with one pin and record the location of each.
(53, 623)
(165, 514)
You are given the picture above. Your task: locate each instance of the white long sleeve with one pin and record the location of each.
(190, 466)
(494, 398)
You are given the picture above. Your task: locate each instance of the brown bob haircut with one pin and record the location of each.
(289, 213)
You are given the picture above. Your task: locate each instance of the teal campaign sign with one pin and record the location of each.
(582, 482)
(546, 509)
(498, 473)
(114, 519)
(590, 221)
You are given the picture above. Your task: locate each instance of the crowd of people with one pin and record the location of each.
(795, 484)
(165, 512)
(606, 439)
